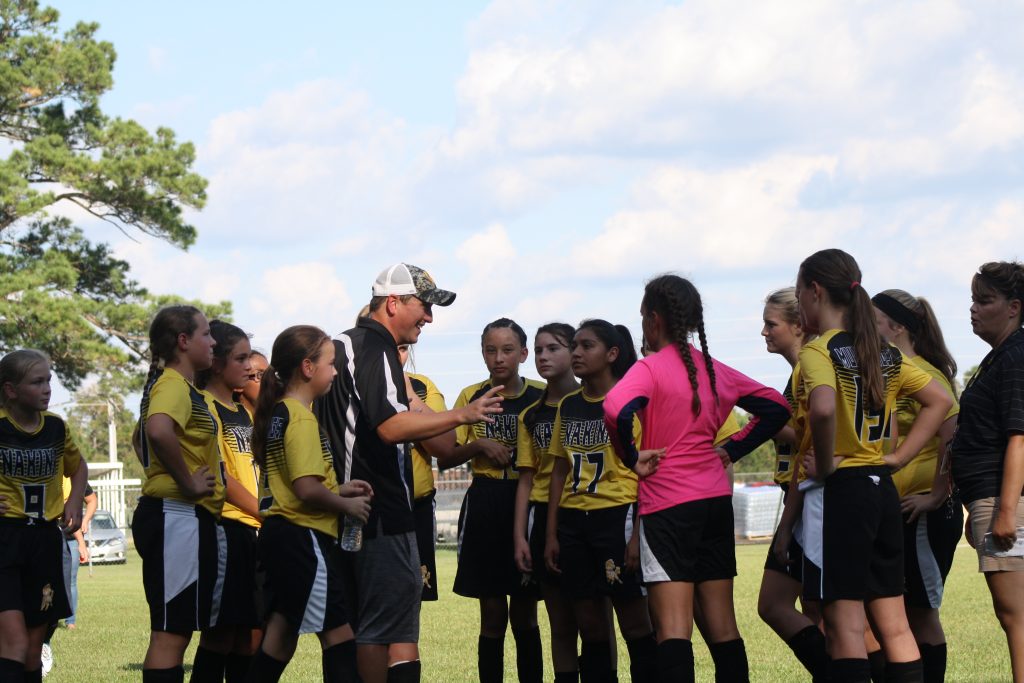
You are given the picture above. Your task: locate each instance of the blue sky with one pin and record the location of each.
(543, 160)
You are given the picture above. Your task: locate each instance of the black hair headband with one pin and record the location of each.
(897, 311)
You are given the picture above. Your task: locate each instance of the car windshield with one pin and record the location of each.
(103, 520)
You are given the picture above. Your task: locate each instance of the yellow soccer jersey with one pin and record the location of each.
(730, 427)
(235, 437)
(785, 452)
(597, 478)
(861, 433)
(917, 475)
(536, 425)
(422, 470)
(176, 397)
(297, 447)
(33, 466)
(504, 429)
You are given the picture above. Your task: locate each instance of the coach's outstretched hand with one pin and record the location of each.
(647, 462)
(354, 488)
(199, 484)
(481, 409)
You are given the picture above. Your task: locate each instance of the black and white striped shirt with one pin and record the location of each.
(368, 390)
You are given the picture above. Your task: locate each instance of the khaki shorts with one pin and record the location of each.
(982, 514)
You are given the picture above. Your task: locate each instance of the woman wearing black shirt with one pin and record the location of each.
(988, 449)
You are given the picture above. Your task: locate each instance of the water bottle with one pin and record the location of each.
(352, 534)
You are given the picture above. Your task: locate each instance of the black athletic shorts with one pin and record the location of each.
(486, 552)
(928, 547)
(240, 599)
(537, 536)
(858, 536)
(426, 542)
(692, 542)
(184, 561)
(592, 552)
(32, 577)
(303, 576)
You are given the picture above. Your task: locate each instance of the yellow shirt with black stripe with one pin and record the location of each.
(504, 429)
(297, 447)
(173, 395)
(235, 437)
(861, 433)
(785, 452)
(918, 474)
(33, 465)
(536, 425)
(597, 478)
(422, 465)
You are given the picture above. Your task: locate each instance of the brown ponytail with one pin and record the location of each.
(838, 274)
(168, 323)
(924, 330)
(291, 347)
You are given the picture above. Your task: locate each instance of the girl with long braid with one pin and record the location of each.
(591, 539)
(932, 513)
(687, 549)
(175, 523)
(850, 386)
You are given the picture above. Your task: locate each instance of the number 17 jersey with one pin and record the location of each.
(597, 478)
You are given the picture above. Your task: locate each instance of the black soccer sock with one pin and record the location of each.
(567, 677)
(849, 671)
(933, 657)
(207, 667)
(809, 647)
(675, 661)
(876, 660)
(236, 667)
(490, 659)
(265, 669)
(595, 661)
(176, 674)
(33, 676)
(643, 658)
(529, 657)
(405, 672)
(904, 672)
(339, 663)
(12, 671)
(730, 661)
(50, 630)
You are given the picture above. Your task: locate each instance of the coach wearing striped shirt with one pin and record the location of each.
(370, 417)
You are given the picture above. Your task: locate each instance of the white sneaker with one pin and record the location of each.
(47, 658)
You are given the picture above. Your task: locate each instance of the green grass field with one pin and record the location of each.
(110, 641)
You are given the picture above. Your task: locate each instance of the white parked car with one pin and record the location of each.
(106, 541)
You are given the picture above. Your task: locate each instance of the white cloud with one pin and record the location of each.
(314, 160)
(299, 293)
(732, 219)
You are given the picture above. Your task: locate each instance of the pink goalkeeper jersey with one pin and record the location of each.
(657, 389)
